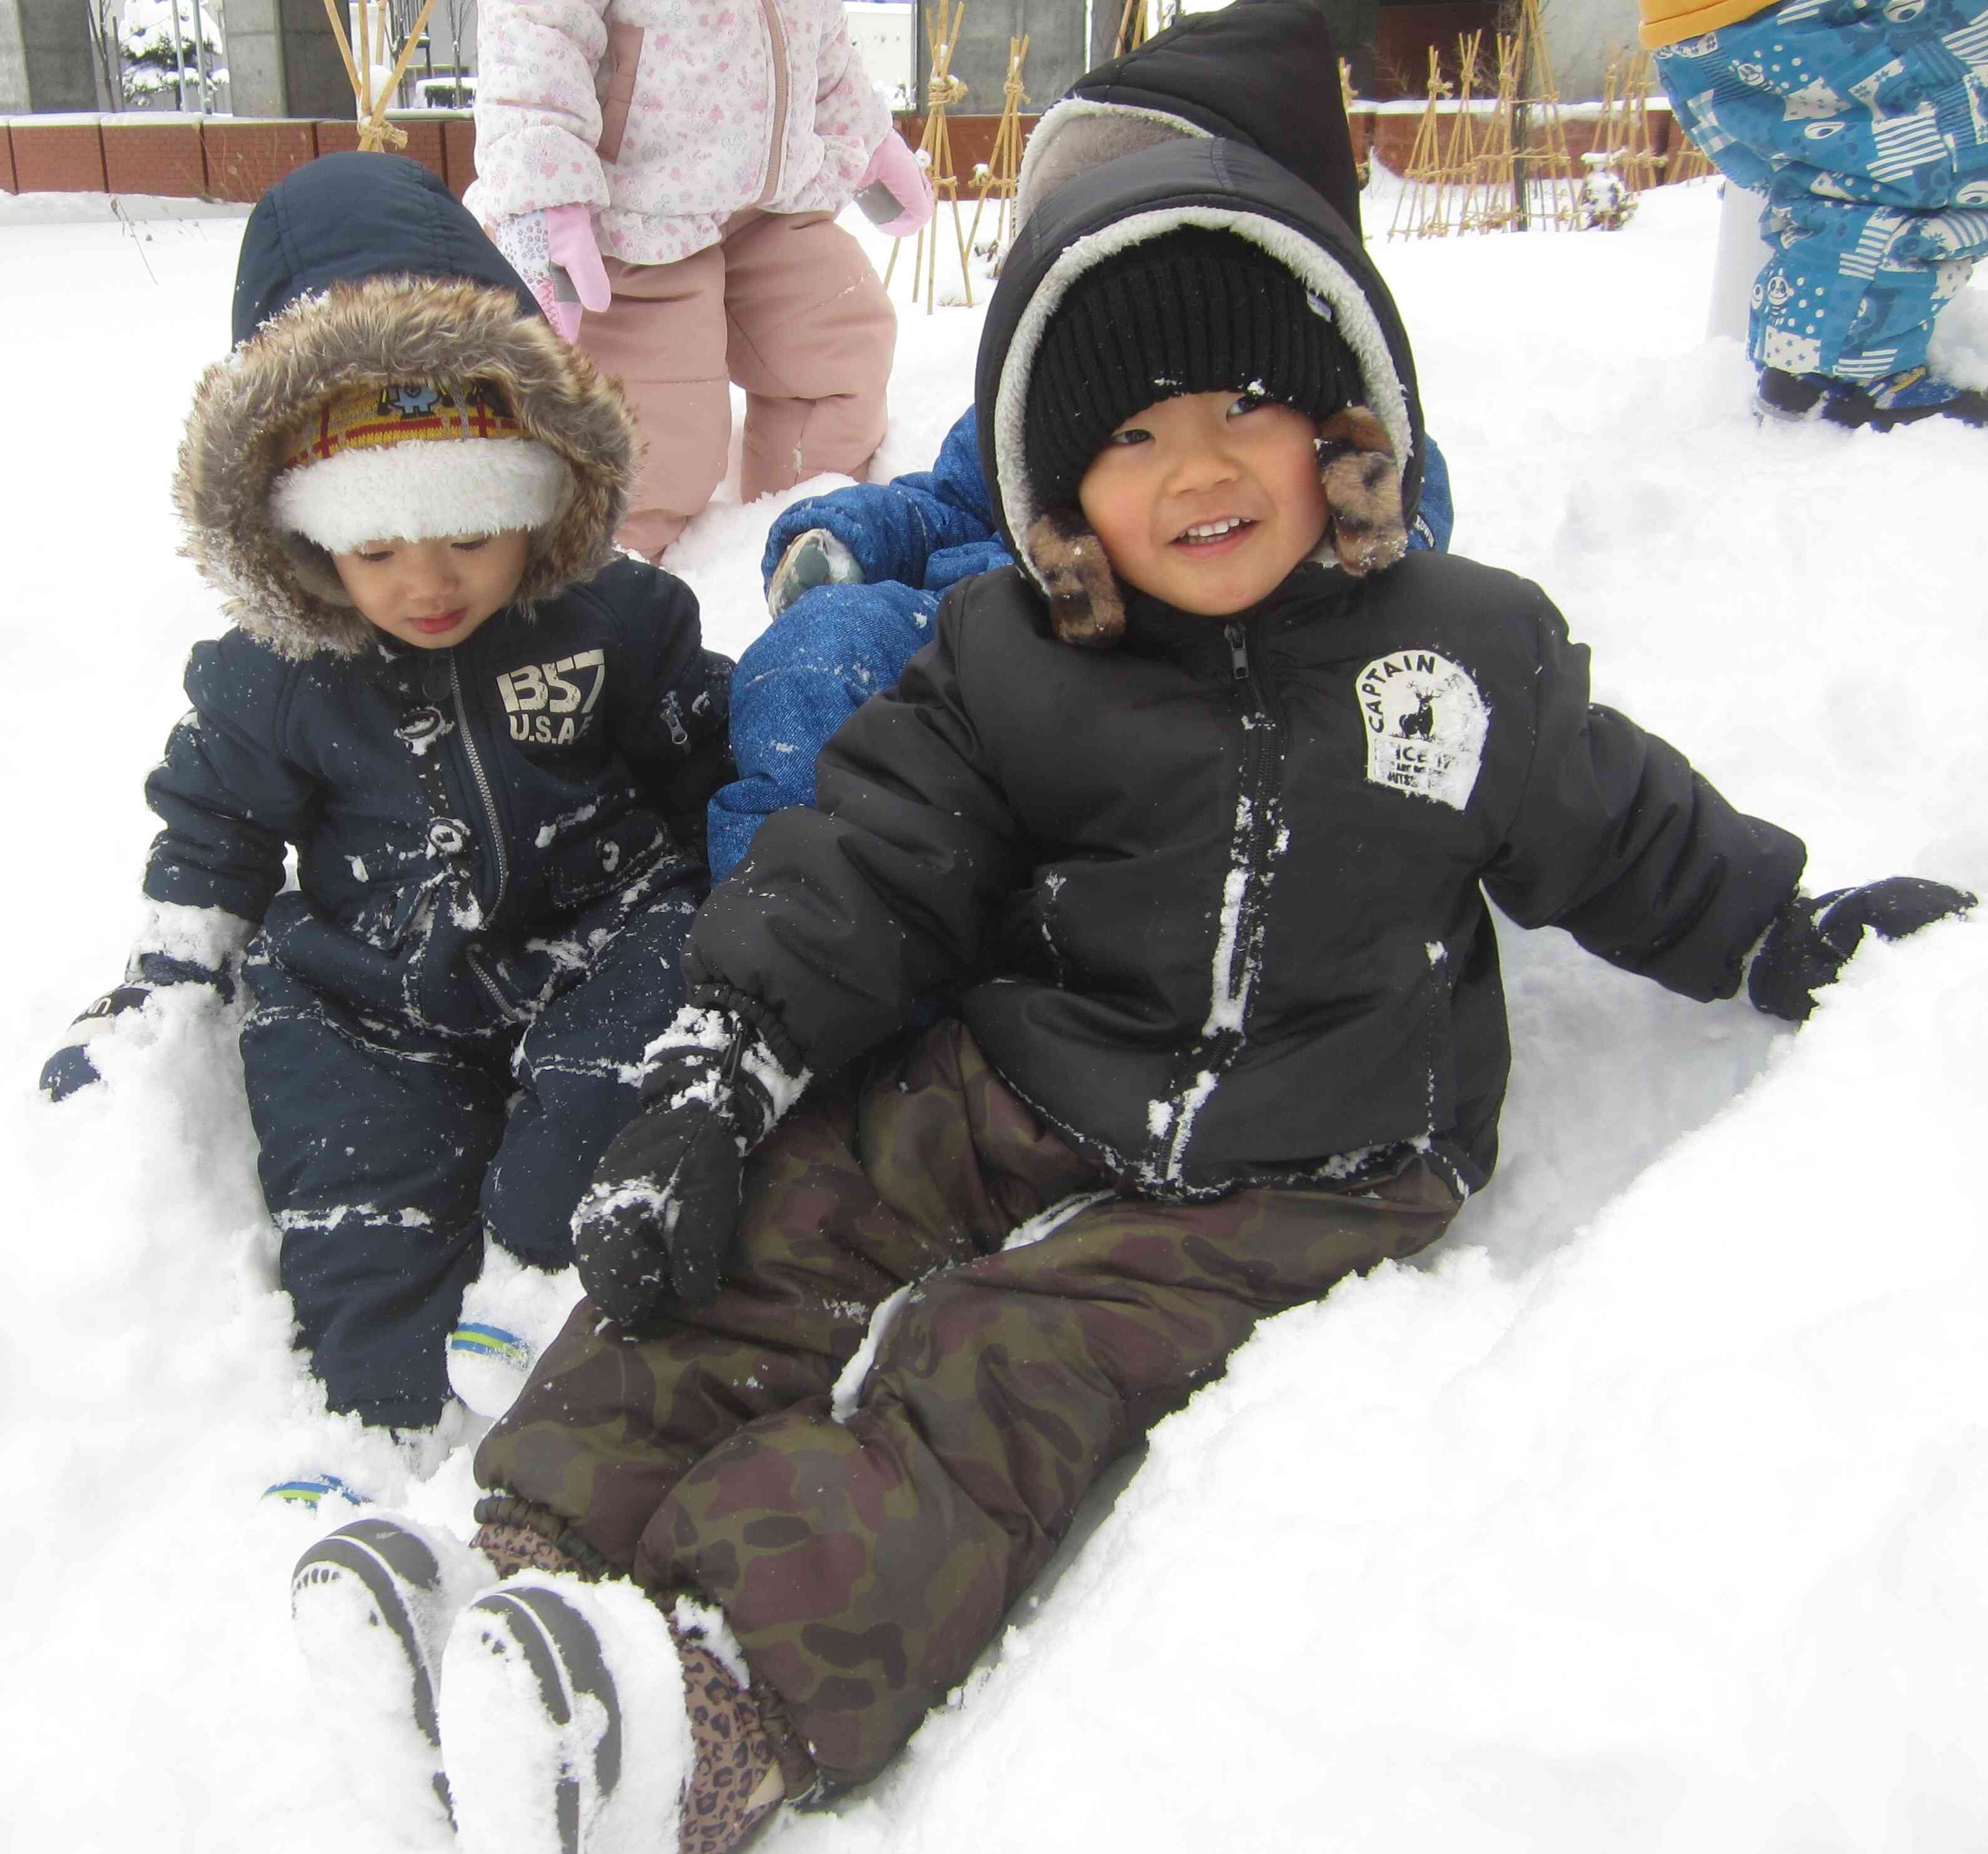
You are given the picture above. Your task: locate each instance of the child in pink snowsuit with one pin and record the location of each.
(675, 167)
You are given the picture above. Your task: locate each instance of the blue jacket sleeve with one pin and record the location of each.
(1437, 515)
(804, 675)
(228, 796)
(893, 529)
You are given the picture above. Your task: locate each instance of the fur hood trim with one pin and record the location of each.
(281, 589)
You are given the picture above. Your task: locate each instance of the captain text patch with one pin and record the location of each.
(1425, 723)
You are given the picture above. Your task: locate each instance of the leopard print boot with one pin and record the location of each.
(735, 1780)
(516, 1536)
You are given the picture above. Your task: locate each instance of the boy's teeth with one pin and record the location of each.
(1208, 531)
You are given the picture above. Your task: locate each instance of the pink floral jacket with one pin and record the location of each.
(668, 115)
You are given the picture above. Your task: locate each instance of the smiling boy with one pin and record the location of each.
(1194, 817)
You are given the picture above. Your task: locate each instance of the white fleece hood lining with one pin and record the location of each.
(1320, 273)
(422, 490)
(1110, 130)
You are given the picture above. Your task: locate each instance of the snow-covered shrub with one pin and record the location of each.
(151, 64)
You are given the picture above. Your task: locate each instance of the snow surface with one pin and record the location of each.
(1649, 1512)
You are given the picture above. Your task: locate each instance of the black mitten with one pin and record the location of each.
(70, 1068)
(1812, 937)
(659, 1219)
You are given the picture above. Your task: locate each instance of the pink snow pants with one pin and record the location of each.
(786, 305)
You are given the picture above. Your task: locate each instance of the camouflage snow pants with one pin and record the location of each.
(865, 1537)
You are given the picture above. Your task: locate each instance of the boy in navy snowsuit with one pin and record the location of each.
(489, 742)
(855, 576)
(1195, 817)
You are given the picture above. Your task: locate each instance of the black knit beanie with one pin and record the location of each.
(1191, 311)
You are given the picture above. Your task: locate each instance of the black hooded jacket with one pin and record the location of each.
(1214, 901)
(1245, 72)
(467, 821)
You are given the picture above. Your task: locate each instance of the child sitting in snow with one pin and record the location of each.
(1862, 123)
(855, 576)
(489, 749)
(1194, 814)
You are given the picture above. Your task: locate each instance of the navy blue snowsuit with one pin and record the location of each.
(491, 898)
(497, 845)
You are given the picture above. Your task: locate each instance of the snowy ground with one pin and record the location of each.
(1651, 1512)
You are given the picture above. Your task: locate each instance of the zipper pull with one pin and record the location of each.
(1238, 651)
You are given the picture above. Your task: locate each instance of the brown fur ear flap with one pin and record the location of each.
(1086, 607)
(1356, 467)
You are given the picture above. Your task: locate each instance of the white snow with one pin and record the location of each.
(1650, 1512)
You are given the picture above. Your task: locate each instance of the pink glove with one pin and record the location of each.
(895, 192)
(553, 250)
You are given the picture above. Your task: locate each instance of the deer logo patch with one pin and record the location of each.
(1426, 722)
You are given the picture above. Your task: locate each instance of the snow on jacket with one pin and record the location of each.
(914, 538)
(1215, 901)
(453, 810)
(667, 116)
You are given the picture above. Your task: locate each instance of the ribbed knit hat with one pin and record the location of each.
(1190, 311)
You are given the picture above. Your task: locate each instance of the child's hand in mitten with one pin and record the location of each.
(660, 1218)
(70, 1068)
(553, 251)
(815, 558)
(1811, 940)
(895, 192)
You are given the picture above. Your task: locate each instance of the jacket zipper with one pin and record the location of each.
(496, 827)
(1190, 1092)
(1258, 756)
(776, 156)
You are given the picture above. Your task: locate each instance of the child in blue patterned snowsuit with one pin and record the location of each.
(859, 573)
(1864, 123)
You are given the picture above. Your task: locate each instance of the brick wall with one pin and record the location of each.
(230, 158)
(220, 157)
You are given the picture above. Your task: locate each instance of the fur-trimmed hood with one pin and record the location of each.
(1369, 456)
(359, 267)
(1261, 72)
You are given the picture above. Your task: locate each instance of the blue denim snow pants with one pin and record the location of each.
(1865, 123)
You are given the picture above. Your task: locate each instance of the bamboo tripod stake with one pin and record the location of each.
(375, 132)
(997, 175)
(935, 146)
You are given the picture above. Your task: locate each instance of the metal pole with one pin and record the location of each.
(179, 55)
(200, 53)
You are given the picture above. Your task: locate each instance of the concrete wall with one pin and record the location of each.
(13, 61)
(1059, 51)
(54, 57)
(255, 58)
(1583, 38)
(314, 80)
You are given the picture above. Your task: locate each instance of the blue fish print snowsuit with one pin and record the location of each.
(1864, 123)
